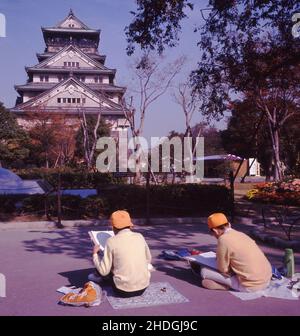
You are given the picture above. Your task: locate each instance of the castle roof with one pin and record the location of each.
(42, 56)
(71, 23)
(71, 84)
(43, 86)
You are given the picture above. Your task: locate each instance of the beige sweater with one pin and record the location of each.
(239, 253)
(127, 256)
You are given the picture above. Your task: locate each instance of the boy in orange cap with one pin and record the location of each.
(241, 264)
(126, 257)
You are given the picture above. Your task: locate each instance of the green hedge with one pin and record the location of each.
(70, 178)
(9, 203)
(40, 204)
(170, 200)
(167, 200)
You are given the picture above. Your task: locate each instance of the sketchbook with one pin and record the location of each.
(208, 259)
(100, 237)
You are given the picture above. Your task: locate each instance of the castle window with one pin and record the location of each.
(71, 64)
(81, 78)
(44, 78)
(71, 100)
(98, 79)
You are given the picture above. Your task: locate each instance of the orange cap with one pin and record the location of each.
(216, 219)
(120, 219)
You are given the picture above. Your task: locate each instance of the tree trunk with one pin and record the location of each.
(47, 160)
(278, 172)
(274, 133)
(138, 173)
(59, 212)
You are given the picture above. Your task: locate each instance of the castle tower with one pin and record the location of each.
(71, 77)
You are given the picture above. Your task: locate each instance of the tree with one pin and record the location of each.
(247, 134)
(42, 142)
(153, 79)
(13, 140)
(243, 123)
(64, 147)
(156, 24)
(183, 97)
(91, 129)
(291, 145)
(247, 50)
(213, 145)
(52, 139)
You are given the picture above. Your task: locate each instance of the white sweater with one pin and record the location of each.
(127, 256)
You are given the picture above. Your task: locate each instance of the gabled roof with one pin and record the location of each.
(42, 56)
(43, 86)
(38, 100)
(71, 24)
(71, 18)
(69, 49)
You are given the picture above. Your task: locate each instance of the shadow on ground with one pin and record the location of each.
(77, 278)
(76, 243)
(73, 242)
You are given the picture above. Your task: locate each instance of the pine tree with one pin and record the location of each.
(13, 140)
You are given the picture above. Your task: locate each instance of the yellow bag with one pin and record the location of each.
(90, 295)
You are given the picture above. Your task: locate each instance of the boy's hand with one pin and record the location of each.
(96, 249)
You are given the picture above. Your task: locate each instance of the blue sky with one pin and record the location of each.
(24, 39)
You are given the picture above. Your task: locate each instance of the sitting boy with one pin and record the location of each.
(126, 257)
(241, 264)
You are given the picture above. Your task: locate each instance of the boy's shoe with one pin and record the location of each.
(195, 268)
(184, 252)
(276, 273)
(210, 284)
(95, 277)
(170, 255)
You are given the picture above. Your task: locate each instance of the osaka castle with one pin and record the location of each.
(70, 79)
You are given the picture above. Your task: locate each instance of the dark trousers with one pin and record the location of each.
(119, 292)
(124, 294)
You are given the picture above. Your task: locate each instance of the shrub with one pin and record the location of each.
(169, 200)
(41, 204)
(166, 200)
(126, 197)
(284, 192)
(70, 178)
(93, 207)
(8, 203)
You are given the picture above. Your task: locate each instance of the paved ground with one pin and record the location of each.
(37, 262)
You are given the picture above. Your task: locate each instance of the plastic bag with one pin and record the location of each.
(90, 295)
